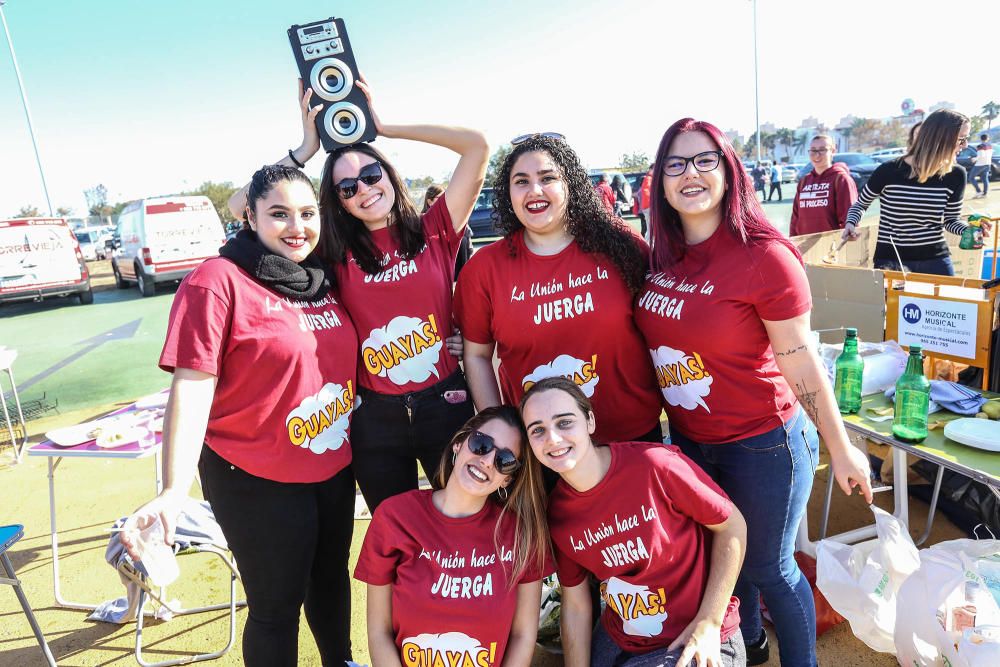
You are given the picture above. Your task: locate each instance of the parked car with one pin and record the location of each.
(790, 172)
(91, 244)
(967, 158)
(164, 239)
(887, 154)
(40, 257)
(861, 167)
(481, 220)
(634, 180)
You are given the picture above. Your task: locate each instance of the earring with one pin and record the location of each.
(502, 492)
(454, 457)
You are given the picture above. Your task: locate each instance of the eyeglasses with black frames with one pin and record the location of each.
(675, 165)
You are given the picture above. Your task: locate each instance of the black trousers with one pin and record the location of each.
(774, 186)
(390, 433)
(292, 543)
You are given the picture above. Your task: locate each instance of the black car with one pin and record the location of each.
(482, 218)
(861, 167)
(967, 158)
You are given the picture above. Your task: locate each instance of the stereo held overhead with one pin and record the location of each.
(326, 64)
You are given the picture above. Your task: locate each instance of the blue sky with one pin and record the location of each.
(154, 97)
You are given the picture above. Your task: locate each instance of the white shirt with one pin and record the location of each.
(984, 154)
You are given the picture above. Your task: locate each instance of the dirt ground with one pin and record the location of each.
(91, 493)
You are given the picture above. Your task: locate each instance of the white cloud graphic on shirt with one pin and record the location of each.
(634, 621)
(447, 648)
(676, 372)
(394, 343)
(321, 420)
(583, 373)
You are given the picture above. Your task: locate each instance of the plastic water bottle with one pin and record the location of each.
(913, 393)
(850, 369)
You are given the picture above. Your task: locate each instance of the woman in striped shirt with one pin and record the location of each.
(920, 196)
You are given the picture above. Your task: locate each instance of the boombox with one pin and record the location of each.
(326, 64)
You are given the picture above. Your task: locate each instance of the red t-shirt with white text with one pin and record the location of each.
(702, 321)
(451, 600)
(403, 314)
(568, 314)
(285, 368)
(641, 532)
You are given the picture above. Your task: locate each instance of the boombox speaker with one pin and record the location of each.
(326, 64)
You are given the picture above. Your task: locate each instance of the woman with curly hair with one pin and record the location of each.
(725, 314)
(554, 296)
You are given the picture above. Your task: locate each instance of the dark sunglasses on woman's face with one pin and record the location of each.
(505, 461)
(545, 135)
(370, 174)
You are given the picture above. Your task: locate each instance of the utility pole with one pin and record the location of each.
(756, 84)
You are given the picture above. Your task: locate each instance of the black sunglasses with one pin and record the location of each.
(370, 174)
(545, 135)
(505, 461)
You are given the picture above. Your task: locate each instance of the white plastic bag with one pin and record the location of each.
(884, 363)
(951, 575)
(860, 581)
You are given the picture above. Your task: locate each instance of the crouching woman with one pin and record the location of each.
(454, 574)
(660, 536)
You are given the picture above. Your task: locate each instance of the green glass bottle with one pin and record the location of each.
(850, 369)
(913, 392)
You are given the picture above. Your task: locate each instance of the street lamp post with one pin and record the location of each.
(756, 85)
(24, 102)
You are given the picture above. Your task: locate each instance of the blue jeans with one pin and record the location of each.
(938, 266)
(983, 173)
(769, 478)
(605, 653)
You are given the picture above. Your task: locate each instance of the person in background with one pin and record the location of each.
(667, 573)
(725, 315)
(264, 362)
(825, 194)
(606, 195)
(464, 250)
(981, 167)
(775, 181)
(920, 197)
(757, 173)
(621, 197)
(454, 573)
(647, 181)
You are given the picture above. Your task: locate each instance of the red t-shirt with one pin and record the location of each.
(403, 314)
(566, 314)
(702, 321)
(285, 368)
(451, 600)
(641, 532)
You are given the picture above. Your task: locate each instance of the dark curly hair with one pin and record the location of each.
(343, 232)
(590, 224)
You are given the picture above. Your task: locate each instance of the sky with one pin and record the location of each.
(154, 98)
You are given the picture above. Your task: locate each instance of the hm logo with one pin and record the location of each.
(911, 313)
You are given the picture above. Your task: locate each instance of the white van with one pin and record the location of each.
(164, 239)
(40, 257)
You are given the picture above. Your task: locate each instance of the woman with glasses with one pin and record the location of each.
(920, 197)
(394, 272)
(555, 295)
(742, 384)
(659, 535)
(454, 574)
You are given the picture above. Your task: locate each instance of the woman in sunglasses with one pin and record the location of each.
(555, 295)
(659, 535)
(394, 271)
(741, 381)
(264, 363)
(454, 573)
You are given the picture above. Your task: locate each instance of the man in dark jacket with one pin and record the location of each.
(824, 194)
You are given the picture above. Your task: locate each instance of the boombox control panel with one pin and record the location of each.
(326, 63)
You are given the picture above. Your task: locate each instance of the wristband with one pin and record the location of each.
(294, 160)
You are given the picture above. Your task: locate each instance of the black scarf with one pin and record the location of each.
(306, 281)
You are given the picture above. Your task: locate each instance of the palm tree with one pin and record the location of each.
(786, 138)
(991, 110)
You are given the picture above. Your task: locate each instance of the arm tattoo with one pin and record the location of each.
(792, 351)
(808, 400)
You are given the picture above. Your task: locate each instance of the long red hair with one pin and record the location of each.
(742, 214)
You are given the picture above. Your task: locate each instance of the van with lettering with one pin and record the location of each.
(40, 257)
(163, 239)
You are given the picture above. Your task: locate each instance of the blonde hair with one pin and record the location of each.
(825, 137)
(525, 497)
(932, 153)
